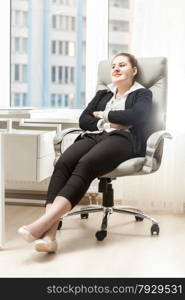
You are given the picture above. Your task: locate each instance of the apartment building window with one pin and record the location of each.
(71, 49)
(122, 26)
(54, 21)
(63, 48)
(24, 99)
(16, 72)
(65, 2)
(52, 100)
(19, 45)
(120, 3)
(60, 47)
(66, 48)
(119, 26)
(19, 18)
(20, 72)
(114, 49)
(63, 75)
(59, 100)
(24, 73)
(20, 99)
(24, 48)
(17, 99)
(61, 22)
(72, 75)
(24, 18)
(53, 47)
(60, 74)
(66, 100)
(66, 74)
(53, 74)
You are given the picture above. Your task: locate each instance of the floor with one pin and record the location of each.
(128, 251)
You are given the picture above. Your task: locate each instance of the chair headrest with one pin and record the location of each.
(150, 71)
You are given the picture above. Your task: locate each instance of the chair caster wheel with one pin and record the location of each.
(59, 225)
(100, 235)
(138, 219)
(155, 229)
(84, 216)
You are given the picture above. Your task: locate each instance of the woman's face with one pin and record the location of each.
(122, 70)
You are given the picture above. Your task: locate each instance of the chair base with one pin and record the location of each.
(107, 211)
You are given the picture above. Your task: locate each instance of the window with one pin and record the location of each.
(72, 75)
(17, 72)
(53, 72)
(53, 47)
(24, 45)
(60, 47)
(17, 44)
(19, 18)
(24, 73)
(60, 74)
(65, 74)
(47, 52)
(17, 99)
(24, 99)
(122, 26)
(119, 26)
(59, 100)
(119, 3)
(20, 99)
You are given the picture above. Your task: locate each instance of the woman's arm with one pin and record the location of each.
(135, 115)
(112, 125)
(87, 121)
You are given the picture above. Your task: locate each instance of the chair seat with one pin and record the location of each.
(131, 166)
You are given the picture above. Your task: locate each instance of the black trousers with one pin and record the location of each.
(91, 156)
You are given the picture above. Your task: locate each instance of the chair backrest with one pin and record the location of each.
(152, 73)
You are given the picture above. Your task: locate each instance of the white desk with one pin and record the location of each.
(24, 155)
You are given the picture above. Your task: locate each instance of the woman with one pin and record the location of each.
(115, 130)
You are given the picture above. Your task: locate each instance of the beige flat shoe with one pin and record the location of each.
(42, 245)
(26, 234)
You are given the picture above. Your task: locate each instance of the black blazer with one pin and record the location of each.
(137, 113)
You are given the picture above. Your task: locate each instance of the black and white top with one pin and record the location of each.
(133, 108)
(114, 104)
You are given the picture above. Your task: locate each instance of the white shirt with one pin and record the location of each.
(113, 104)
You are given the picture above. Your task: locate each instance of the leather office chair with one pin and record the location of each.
(153, 75)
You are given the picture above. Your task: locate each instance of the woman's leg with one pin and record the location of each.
(50, 235)
(101, 159)
(62, 172)
(105, 156)
(48, 222)
(66, 164)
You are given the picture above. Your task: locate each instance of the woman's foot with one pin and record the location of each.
(25, 233)
(46, 245)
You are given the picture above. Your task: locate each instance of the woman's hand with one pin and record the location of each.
(119, 126)
(96, 114)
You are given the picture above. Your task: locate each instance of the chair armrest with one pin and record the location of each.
(152, 145)
(58, 139)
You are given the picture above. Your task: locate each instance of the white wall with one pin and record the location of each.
(159, 30)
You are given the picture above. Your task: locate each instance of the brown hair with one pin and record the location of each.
(131, 58)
